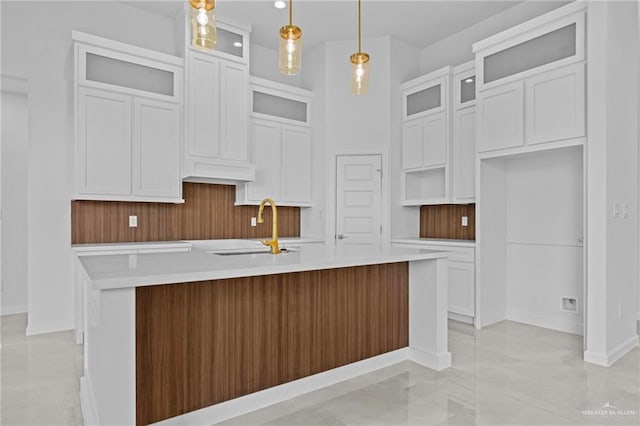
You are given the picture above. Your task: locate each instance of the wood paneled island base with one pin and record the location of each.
(198, 344)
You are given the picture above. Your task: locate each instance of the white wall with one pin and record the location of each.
(356, 124)
(312, 220)
(46, 61)
(14, 202)
(456, 49)
(405, 65)
(544, 238)
(612, 153)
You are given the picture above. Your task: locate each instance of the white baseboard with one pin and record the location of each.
(12, 310)
(437, 362)
(88, 403)
(461, 318)
(606, 360)
(255, 401)
(565, 326)
(49, 328)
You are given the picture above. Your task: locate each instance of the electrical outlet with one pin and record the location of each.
(133, 221)
(254, 221)
(465, 220)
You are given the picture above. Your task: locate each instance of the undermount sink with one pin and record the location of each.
(262, 250)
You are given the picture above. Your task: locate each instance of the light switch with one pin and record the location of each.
(133, 221)
(254, 222)
(465, 220)
(616, 210)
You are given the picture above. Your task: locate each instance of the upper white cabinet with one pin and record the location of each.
(217, 111)
(531, 84)
(280, 142)
(128, 122)
(426, 133)
(464, 133)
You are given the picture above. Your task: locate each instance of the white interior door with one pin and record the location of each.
(358, 203)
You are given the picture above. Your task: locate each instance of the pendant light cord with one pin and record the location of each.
(359, 27)
(290, 12)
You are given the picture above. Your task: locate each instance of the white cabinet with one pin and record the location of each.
(464, 133)
(217, 114)
(156, 149)
(555, 105)
(280, 141)
(464, 154)
(128, 122)
(531, 85)
(501, 113)
(412, 144)
(461, 288)
(282, 158)
(103, 148)
(426, 134)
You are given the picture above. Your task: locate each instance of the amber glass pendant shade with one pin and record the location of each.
(359, 63)
(203, 24)
(290, 52)
(359, 73)
(290, 58)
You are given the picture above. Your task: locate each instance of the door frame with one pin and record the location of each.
(332, 191)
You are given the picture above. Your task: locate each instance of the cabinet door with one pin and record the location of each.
(412, 144)
(501, 115)
(265, 142)
(434, 140)
(156, 149)
(234, 111)
(555, 105)
(103, 152)
(461, 288)
(204, 106)
(464, 146)
(296, 164)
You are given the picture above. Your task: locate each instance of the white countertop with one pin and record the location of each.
(435, 241)
(206, 244)
(135, 270)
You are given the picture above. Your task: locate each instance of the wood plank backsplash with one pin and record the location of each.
(444, 221)
(208, 213)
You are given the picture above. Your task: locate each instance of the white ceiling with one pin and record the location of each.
(418, 22)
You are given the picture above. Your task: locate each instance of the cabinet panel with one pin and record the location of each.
(103, 157)
(412, 144)
(501, 117)
(555, 105)
(234, 111)
(434, 148)
(296, 167)
(156, 149)
(461, 288)
(464, 140)
(204, 106)
(265, 141)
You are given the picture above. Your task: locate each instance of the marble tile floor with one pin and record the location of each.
(506, 374)
(40, 376)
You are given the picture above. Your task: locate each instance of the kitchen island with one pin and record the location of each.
(201, 336)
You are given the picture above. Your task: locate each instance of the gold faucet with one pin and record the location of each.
(274, 233)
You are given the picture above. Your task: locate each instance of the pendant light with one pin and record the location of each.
(359, 63)
(203, 24)
(290, 46)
